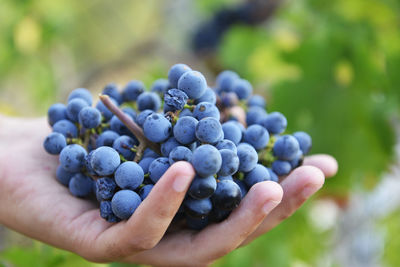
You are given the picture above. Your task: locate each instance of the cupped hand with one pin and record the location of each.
(35, 204)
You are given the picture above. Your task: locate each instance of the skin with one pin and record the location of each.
(35, 204)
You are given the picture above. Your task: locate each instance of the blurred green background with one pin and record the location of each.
(333, 68)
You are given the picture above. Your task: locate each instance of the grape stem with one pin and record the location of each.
(132, 126)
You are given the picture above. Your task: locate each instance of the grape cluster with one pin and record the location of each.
(117, 150)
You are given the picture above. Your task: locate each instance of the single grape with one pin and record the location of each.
(105, 160)
(232, 131)
(226, 79)
(145, 163)
(54, 143)
(74, 107)
(123, 145)
(129, 175)
(193, 84)
(149, 100)
(197, 208)
(256, 100)
(202, 187)
(255, 114)
(145, 191)
(257, 136)
(206, 160)
(227, 196)
(174, 100)
(229, 99)
(112, 91)
(72, 158)
(64, 176)
(230, 162)
(81, 93)
(208, 96)
(217, 215)
(281, 167)
(286, 147)
(226, 144)
(205, 109)
(243, 187)
(157, 168)
(257, 175)
(304, 140)
(105, 188)
(297, 160)
(175, 72)
(168, 146)
(196, 223)
(107, 138)
(242, 88)
(81, 185)
(66, 128)
(56, 113)
(160, 86)
(132, 91)
(89, 117)
(273, 175)
(124, 203)
(117, 126)
(185, 130)
(248, 157)
(157, 128)
(106, 212)
(274, 122)
(180, 153)
(185, 113)
(208, 130)
(143, 116)
(88, 166)
(148, 153)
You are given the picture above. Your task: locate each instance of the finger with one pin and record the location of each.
(148, 224)
(198, 249)
(326, 163)
(297, 188)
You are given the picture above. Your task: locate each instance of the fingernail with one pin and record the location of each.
(308, 191)
(269, 206)
(180, 183)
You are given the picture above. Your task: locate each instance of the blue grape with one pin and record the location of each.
(230, 162)
(185, 113)
(74, 107)
(242, 186)
(257, 136)
(64, 176)
(88, 166)
(226, 144)
(229, 99)
(117, 126)
(106, 212)
(202, 187)
(89, 117)
(286, 147)
(197, 208)
(132, 91)
(175, 72)
(273, 175)
(274, 122)
(148, 153)
(81, 93)
(206, 160)
(56, 113)
(81, 185)
(145, 163)
(304, 140)
(185, 130)
(148, 100)
(209, 130)
(160, 86)
(180, 153)
(105, 112)
(54, 143)
(232, 131)
(208, 96)
(174, 100)
(227, 196)
(157, 128)
(105, 160)
(255, 114)
(123, 146)
(72, 157)
(107, 138)
(257, 175)
(217, 215)
(193, 84)
(248, 157)
(105, 188)
(205, 109)
(124, 203)
(297, 160)
(129, 175)
(256, 100)
(66, 128)
(226, 79)
(196, 223)
(130, 112)
(145, 191)
(281, 167)
(242, 88)
(222, 178)
(112, 91)
(168, 146)
(143, 116)
(157, 168)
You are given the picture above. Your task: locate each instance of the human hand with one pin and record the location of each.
(35, 204)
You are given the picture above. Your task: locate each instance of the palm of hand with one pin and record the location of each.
(40, 207)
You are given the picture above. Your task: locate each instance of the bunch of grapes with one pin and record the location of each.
(117, 150)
